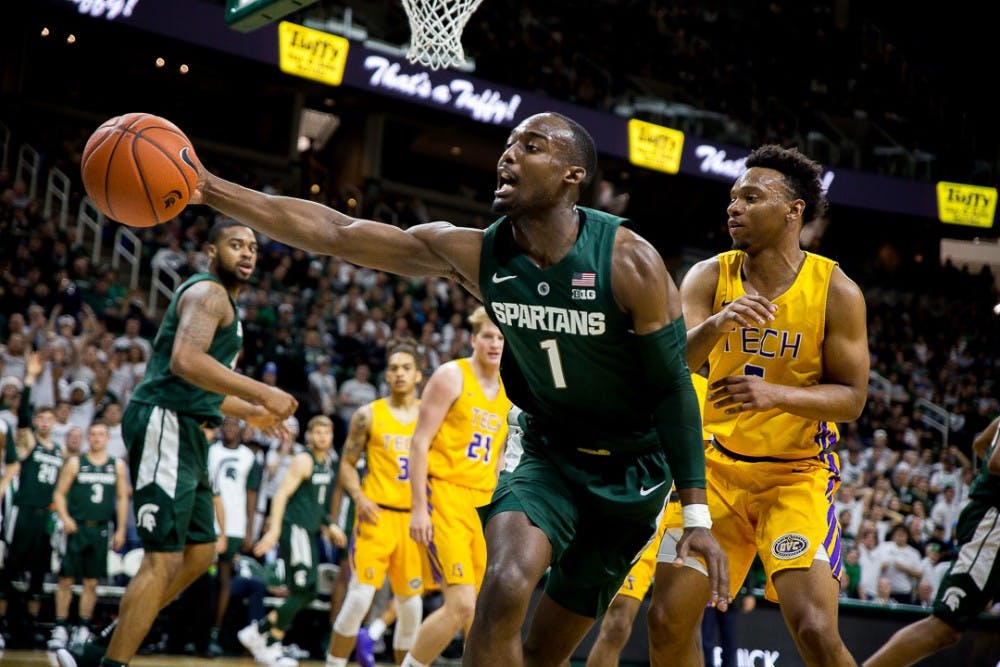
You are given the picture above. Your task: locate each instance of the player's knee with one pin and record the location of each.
(506, 588)
(354, 608)
(410, 612)
(812, 631)
(90, 584)
(944, 635)
(615, 630)
(666, 626)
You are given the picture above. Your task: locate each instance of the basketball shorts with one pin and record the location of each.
(457, 553)
(974, 576)
(86, 551)
(28, 542)
(172, 497)
(579, 499)
(234, 546)
(782, 512)
(386, 548)
(299, 551)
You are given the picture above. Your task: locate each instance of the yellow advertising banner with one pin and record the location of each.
(654, 146)
(311, 54)
(963, 204)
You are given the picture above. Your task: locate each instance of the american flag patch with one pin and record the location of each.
(584, 279)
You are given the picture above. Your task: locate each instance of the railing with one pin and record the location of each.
(90, 218)
(28, 167)
(57, 188)
(131, 253)
(880, 382)
(941, 421)
(158, 287)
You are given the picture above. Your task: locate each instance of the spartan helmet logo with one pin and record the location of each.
(952, 598)
(146, 517)
(171, 198)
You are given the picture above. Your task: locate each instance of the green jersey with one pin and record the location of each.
(38, 477)
(986, 486)
(571, 360)
(92, 495)
(161, 387)
(309, 506)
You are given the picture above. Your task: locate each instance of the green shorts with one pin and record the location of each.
(974, 576)
(85, 553)
(300, 553)
(234, 545)
(598, 511)
(168, 457)
(30, 543)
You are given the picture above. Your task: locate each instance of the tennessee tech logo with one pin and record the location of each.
(789, 546)
(146, 517)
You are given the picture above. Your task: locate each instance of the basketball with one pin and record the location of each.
(139, 169)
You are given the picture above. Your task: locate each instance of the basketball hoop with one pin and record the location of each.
(436, 31)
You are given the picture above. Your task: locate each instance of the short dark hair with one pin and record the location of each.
(802, 175)
(220, 226)
(406, 347)
(584, 151)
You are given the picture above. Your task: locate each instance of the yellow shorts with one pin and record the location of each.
(457, 553)
(781, 511)
(386, 548)
(640, 577)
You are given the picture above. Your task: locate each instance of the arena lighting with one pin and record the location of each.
(71, 39)
(160, 62)
(315, 129)
(45, 32)
(184, 69)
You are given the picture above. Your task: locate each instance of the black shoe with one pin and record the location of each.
(81, 655)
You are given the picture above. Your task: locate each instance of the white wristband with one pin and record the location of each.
(696, 516)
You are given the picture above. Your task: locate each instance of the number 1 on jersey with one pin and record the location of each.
(555, 363)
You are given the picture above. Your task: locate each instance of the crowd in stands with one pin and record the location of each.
(319, 327)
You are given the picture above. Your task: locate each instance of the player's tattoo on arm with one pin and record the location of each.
(357, 435)
(202, 309)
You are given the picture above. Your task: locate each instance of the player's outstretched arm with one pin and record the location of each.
(323, 230)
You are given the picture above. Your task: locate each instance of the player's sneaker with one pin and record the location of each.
(273, 655)
(296, 652)
(214, 648)
(59, 638)
(81, 635)
(87, 654)
(364, 650)
(252, 639)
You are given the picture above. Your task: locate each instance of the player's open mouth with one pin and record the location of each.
(505, 183)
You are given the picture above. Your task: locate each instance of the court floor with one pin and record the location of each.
(42, 659)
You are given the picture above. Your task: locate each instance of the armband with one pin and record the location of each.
(696, 516)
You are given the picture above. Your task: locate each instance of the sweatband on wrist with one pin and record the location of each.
(696, 516)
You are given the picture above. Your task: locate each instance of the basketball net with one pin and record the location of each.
(436, 31)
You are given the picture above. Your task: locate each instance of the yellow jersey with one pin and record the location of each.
(387, 480)
(786, 350)
(466, 447)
